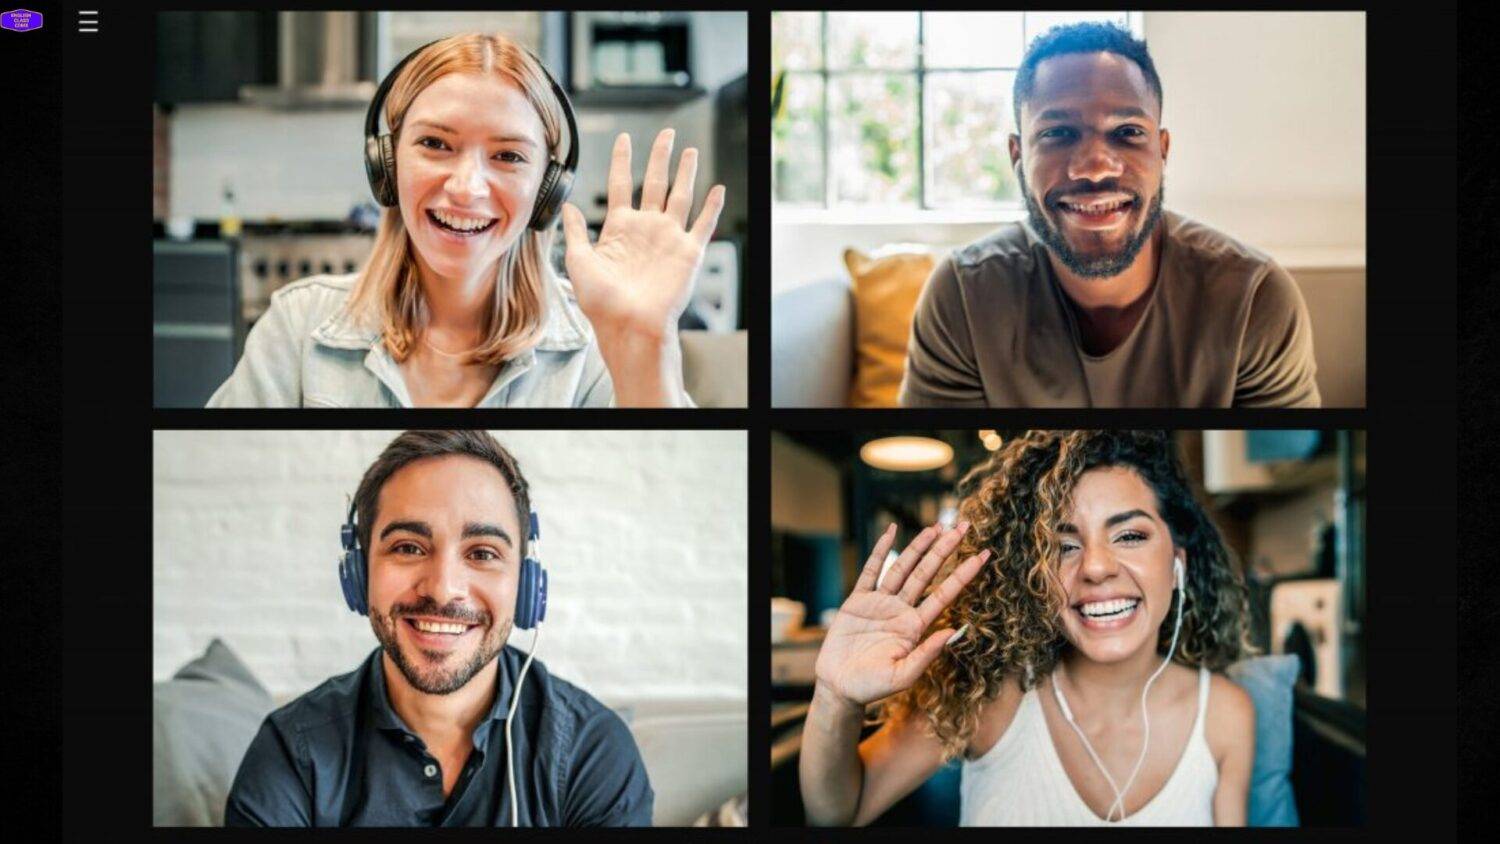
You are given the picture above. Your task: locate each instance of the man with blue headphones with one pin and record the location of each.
(443, 725)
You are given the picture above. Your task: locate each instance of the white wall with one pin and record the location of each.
(300, 165)
(643, 536)
(1267, 115)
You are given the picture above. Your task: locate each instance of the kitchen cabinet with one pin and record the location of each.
(207, 56)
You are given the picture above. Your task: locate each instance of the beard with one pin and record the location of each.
(427, 671)
(1091, 266)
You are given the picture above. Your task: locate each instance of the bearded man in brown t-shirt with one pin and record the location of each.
(1101, 298)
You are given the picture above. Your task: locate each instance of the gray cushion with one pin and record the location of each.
(1269, 681)
(812, 344)
(202, 721)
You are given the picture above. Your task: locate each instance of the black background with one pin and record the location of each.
(77, 135)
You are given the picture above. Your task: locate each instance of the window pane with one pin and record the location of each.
(1039, 22)
(872, 39)
(873, 138)
(968, 121)
(971, 39)
(796, 40)
(797, 141)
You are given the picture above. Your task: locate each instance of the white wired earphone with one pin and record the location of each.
(1068, 714)
(515, 698)
(531, 609)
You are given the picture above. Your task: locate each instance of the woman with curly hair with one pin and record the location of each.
(1073, 657)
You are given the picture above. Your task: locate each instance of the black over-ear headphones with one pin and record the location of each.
(380, 152)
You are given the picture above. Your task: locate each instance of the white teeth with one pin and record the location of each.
(1099, 608)
(462, 223)
(1098, 208)
(431, 627)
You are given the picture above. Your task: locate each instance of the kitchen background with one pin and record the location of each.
(1290, 504)
(259, 172)
(645, 553)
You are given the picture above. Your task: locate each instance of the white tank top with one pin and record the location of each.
(1021, 782)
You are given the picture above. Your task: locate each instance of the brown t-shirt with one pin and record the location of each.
(1225, 326)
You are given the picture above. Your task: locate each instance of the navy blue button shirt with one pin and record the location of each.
(340, 756)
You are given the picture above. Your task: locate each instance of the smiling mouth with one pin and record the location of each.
(1107, 614)
(450, 629)
(461, 228)
(1096, 212)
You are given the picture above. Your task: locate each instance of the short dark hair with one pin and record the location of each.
(1088, 37)
(416, 445)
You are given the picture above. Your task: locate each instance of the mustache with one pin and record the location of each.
(1111, 186)
(430, 609)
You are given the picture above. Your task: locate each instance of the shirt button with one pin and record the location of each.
(430, 770)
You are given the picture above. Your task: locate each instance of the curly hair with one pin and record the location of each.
(1014, 606)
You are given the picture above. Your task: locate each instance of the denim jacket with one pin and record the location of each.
(306, 351)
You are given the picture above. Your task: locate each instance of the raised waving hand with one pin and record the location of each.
(637, 278)
(875, 646)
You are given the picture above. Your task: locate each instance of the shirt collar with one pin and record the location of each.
(386, 718)
(564, 329)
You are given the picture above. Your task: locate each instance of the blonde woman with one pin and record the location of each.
(458, 305)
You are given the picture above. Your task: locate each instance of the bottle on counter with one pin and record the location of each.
(229, 216)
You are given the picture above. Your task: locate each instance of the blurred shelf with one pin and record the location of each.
(786, 713)
(209, 229)
(1287, 479)
(645, 96)
(786, 748)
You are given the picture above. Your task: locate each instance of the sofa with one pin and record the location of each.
(714, 367)
(812, 338)
(205, 716)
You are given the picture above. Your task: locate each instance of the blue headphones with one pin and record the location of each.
(531, 591)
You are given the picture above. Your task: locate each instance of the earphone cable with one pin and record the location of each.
(1146, 743)
(1068, 716)
(515, 698)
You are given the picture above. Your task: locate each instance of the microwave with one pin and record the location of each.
(631, 50)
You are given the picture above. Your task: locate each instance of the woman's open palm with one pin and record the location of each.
(874, 648)
(638, 277)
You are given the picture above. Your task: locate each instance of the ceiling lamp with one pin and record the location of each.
(906, 454)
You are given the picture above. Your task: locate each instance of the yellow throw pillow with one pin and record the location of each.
(885, 297)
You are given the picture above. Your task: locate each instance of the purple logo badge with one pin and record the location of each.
(21, 20)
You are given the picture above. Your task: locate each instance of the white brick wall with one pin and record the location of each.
(643, 536)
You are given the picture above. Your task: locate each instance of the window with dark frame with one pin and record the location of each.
(900, 109)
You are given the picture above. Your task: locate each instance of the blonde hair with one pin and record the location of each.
(388, 291)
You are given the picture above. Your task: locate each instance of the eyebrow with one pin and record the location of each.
(419, 528)
(1074, 114)
(1068, 527)
(472, 529)
(504, 139)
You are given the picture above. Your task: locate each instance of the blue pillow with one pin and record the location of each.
(1269, 680)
